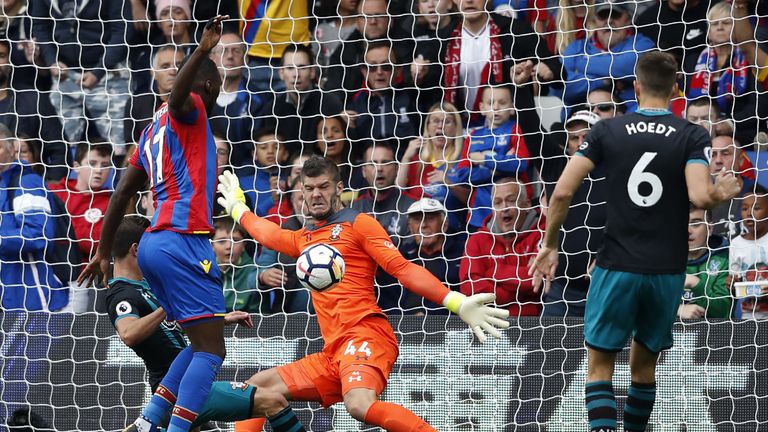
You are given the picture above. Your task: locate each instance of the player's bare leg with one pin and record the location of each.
(271, 401)
(642, 392)
(598, 391)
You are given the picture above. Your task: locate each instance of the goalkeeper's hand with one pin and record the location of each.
(232, 197)
(474, 311)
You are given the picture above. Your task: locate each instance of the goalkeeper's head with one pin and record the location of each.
(125, 246)
(321, 186)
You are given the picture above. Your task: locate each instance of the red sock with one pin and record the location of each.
(395, 418)
(252, 425)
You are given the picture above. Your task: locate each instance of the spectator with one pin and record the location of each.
(478, 43)
(331, 31)
(607, 58)
(25, 112)
(202, 11)
(534, 12)
(332, 142)
(15, 26)
(426, 71)
(706, 294)
(707, 115)
(383, 199)
(269, 31)
(748, 252)
(604, 103)
(236, 114)
(295, 112)
(566, 24)
(374, 23)
(86, 196)
(282, 209)
(492, 152)
(277, 270)
(140, 108)
(175, 21)
(430, 163)
(223, 150)
(27, 282)
(678, 27)
(381, 111)
(723, 73)
(84, 45)
(237, 269)
(435, 248)
(727, 154)
(582, 233)
(29, 152)
(261, 188)
(498, 254)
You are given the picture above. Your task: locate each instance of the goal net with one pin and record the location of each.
(450, 122)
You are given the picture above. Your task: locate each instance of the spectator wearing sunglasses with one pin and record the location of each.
(382, 111)
(604, 103)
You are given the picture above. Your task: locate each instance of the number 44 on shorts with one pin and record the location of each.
(361, 353)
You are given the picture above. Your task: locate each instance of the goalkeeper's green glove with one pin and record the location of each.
(474, 311)
(232, 197)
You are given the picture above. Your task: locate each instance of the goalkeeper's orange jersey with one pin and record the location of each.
(364, 245)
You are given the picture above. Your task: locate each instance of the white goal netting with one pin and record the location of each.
(450, 121)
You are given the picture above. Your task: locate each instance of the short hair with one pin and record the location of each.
(262, 132)
(383, 43)
(757, 191)
(523, 190)
(707, 214)
(657, 72)
(128, 233)
(7, 44)
(705, 102)
(316, 166)
(719, 10)
(385, 144)
(299, 48)
(228, 225)
(103, 149)
(207, 71)
(164, 48)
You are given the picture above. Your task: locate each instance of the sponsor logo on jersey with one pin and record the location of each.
(206, 265)
(336, 232)
(123, 308)
(93, 215)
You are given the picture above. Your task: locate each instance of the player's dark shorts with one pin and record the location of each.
(181, 270)
(622, 304)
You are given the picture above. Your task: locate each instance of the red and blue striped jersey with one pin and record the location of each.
(179, 157)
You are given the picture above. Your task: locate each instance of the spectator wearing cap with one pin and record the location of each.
(382, 110)
(294, 113)
(678, 27)
(607, 58)
(582, 234)
(434, 248)
(604, 103)
(478, 48)
(498, 254)
(84, 44)
(236, 113)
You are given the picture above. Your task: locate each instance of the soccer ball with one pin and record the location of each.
(320, 267)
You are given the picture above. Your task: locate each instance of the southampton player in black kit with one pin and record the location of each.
(655, 164)
(141, 323)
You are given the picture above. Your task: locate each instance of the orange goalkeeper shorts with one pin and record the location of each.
(363, 358)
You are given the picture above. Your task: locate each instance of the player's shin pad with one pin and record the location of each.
(227, 401)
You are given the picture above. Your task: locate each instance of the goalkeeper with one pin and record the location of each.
(360, 345)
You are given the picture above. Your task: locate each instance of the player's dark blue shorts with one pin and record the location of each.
(620, 304)
(181, 270)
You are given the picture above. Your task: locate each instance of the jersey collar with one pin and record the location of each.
(143, 283)
(653, 112)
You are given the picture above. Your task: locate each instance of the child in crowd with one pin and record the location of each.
(261, 188)
(492, 152)
(749, 254)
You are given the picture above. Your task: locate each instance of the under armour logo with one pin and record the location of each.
(355, 377)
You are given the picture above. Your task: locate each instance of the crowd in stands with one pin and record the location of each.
(450, 120)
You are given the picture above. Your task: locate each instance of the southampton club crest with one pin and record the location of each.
(336, 232)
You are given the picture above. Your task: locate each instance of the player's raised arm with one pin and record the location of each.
(473, 310)
(179, 102)
(263, 231)
(705, 194)
(130, 183)
(545, 264)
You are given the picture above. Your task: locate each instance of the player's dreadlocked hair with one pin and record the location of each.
(129, 232)
(316, 166)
